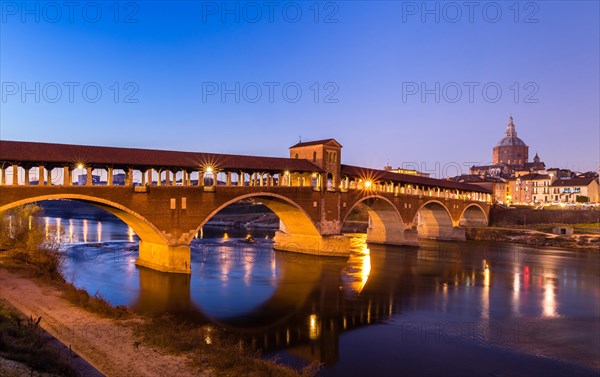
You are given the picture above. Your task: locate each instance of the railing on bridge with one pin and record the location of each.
(209, 179)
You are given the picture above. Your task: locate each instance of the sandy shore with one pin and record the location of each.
(108, 345)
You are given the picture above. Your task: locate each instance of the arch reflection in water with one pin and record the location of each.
(162, 292)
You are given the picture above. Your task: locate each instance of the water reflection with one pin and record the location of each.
(549, 303)
(305, 308)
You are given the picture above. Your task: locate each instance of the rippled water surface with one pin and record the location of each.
(442, 309)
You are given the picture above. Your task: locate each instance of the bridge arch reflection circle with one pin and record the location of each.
(298, 276)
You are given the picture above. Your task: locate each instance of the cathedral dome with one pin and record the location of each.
(510, 136)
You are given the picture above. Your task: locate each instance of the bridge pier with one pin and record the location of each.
(314, 245)
(407, 237)
(164, 258)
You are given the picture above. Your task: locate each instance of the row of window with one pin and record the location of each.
(329, 156)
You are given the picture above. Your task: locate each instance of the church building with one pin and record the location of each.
(510, 156)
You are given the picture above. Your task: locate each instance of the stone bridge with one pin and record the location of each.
(166, 197)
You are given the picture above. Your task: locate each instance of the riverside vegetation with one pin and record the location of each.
(27, 248)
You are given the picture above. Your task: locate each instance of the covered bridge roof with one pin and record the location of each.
(63, 154)
(383, 175)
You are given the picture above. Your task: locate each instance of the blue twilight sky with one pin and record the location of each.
(416, 84)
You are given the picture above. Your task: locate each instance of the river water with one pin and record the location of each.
(445, 309)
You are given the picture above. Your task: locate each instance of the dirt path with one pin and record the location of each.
(104, 343)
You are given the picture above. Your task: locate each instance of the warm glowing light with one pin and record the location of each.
(359, 263)
(549, 303)
(366, 268)
(368, 184)
(79, 166)
(85, 230)
(207, 338)
(287, 172)
(516, 292)
(516, 282)
(130, 233)
(209, 169)
(99, 227)
(485, 295)
(314, 330)
(486, 277)
(58, 227)
(226, 236)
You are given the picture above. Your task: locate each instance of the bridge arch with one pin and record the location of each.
(140, 225)
(386, 225)
(433, 221)
(473, 215)
(294, 218)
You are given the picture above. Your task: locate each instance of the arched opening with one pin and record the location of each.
(281, 214)
(330, 182)
(433, 221)
(385, 224)
(473, 215)
(145, 230)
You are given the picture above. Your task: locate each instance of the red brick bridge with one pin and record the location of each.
(166, 197)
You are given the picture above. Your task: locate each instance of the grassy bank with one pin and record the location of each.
(211, 348)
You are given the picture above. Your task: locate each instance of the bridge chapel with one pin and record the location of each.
(326, 154)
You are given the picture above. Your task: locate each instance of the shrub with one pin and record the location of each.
(24, 235)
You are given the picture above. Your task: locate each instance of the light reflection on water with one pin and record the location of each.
(445, 299)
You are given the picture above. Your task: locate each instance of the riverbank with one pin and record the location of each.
(106, 344)
(135, 345)
(534, 237)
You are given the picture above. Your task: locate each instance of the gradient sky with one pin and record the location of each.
(370, 52)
